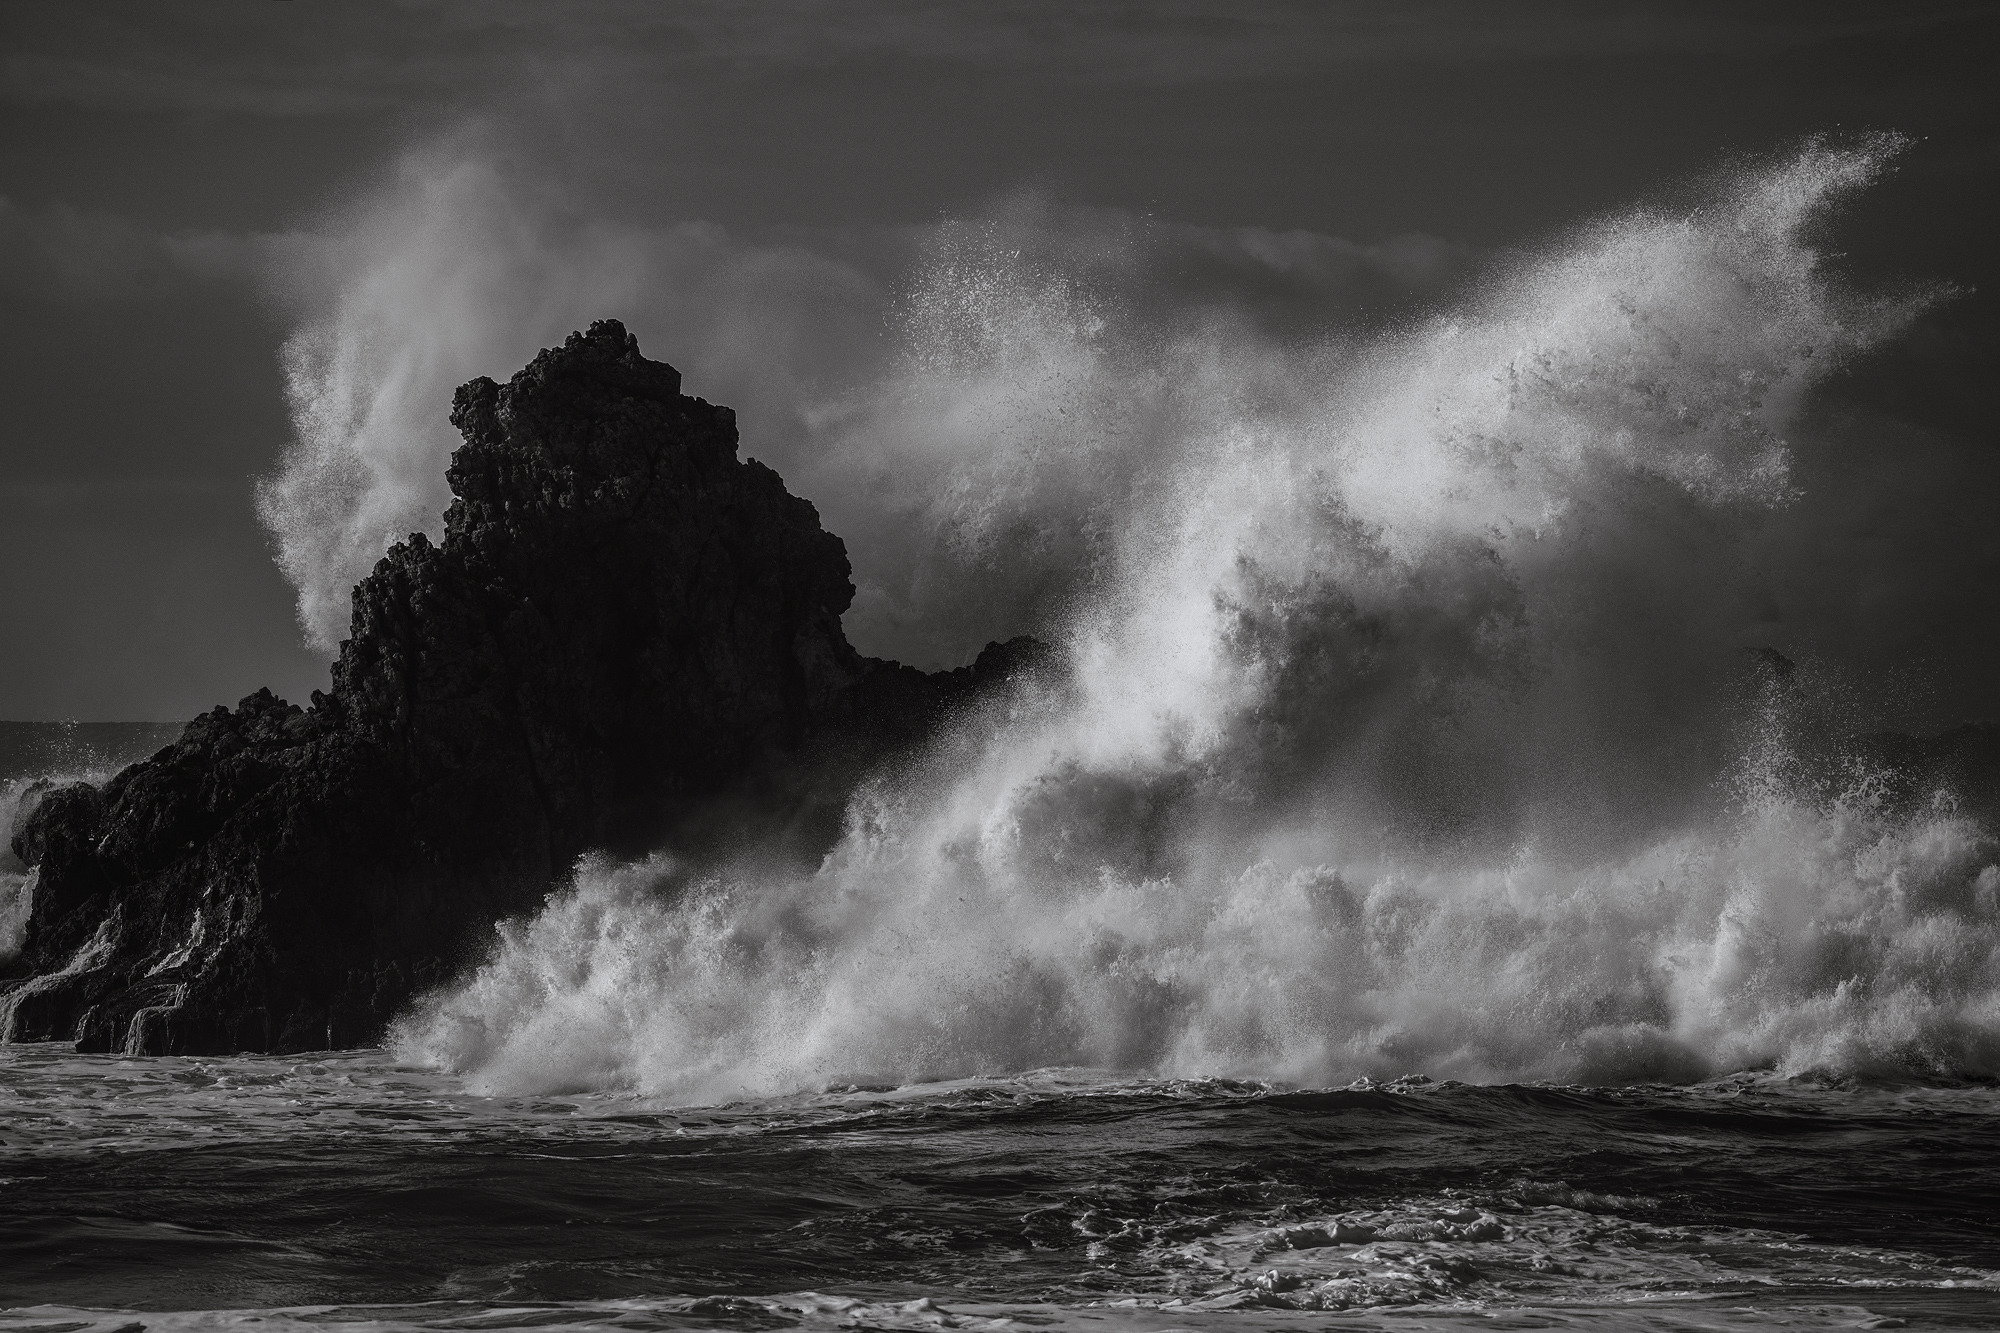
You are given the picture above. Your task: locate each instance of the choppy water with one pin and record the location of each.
(269, 1191)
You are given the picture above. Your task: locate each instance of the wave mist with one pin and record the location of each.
(1407, 724)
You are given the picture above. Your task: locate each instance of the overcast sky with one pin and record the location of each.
(185, 188)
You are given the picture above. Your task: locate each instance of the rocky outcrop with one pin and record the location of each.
(627, 637)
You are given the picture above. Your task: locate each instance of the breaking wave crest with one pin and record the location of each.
(36, 758)
(17, 881)
(1406, 725)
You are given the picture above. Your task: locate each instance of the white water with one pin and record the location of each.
(18, 798)
(936, 454)
(70, 758)
(1405, 728)
(17, 881)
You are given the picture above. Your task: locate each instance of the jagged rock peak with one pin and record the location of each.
(629, 637)
(605, 360)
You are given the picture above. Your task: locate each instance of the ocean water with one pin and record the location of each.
(348, 1190)
(1431, 894)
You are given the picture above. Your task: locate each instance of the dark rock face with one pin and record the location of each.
(627, 635)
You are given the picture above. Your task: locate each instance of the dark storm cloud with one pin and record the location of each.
(316, 59)
(187, 189)
(60, 253)
(65, 252)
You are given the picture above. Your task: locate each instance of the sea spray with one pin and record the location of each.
(988, 443)
(35, 759)
(458, 268)
(17, 881)
(1405, 729)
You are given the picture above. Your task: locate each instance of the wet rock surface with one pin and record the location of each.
(628, 636)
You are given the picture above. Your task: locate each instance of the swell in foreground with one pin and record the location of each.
(344, 1191)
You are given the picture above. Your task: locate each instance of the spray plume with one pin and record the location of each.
(1403, 729)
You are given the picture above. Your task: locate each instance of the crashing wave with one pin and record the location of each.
(1406, 729)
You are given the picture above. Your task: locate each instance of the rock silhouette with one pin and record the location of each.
(627, 634)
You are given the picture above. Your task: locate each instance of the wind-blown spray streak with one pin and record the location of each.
(463, 265)
(1404, 730)
(458, 269)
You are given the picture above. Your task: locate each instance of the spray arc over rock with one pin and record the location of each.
(1407, 728)
(1400, 721)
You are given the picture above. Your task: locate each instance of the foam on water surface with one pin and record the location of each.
(346, 1189)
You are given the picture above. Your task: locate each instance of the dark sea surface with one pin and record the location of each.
(344, 1190)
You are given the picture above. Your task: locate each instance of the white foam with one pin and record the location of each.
(1399, 735)
(18, 798)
